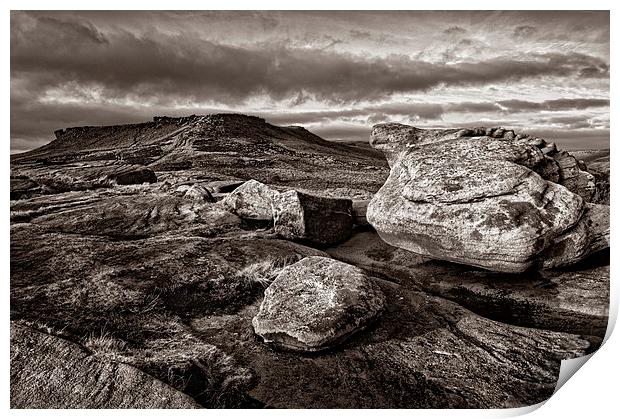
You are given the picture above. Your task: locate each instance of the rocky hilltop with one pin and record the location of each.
(194, 149)
(221, 261)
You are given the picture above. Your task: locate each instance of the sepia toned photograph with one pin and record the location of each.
(306, 209)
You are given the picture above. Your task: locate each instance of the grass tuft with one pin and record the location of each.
(104, 344)
(266, 271)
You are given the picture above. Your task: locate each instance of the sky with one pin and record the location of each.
(335, 73)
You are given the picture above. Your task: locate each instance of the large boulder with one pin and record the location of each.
(48, 372)
(486, 198)
(251, 201)
(320, 220)
(317, 303)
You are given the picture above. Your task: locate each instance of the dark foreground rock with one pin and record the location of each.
(422, 352)
(124, 215)
(320, 220)
(317, 303)
(490, 199)
(48, 372)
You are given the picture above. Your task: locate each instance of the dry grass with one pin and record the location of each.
(196, 368)
(104, 344)
(266, 271)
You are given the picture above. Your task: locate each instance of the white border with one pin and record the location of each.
(591, 393)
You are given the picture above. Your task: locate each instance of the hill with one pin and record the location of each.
(203, 148)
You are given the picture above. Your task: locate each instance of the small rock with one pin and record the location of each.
(252, 200)
(130, 175)
(199, 193)
(549, 148)
(317, 303)
(321, 220)
(509, 135)
(499, 133)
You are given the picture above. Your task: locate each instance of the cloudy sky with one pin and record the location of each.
(336, 73)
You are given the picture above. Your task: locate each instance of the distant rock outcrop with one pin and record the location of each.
(221, 148)
(487, 198)
(317, 303)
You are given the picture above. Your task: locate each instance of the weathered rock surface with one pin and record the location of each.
(48, 372)
(320, 220)
(133, 298)
(317, 303)
(597, 163)
(486, 200)
(570, 301)
(176, 280)
(35, 179)
(422, 352)
(124, 215)
(252, 200)
(195, 192)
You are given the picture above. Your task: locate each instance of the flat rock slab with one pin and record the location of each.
(37, 179)
(48, 372)
(575, 301)
(121, 215)
(486, 198)
(320, 220)
(422, 352)
(317, 303)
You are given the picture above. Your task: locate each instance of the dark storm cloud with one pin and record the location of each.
(524, 31)
(455, 30)
(418, 110)
(552, 105)
(184, 67)
(357, 68)
(357, 34)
